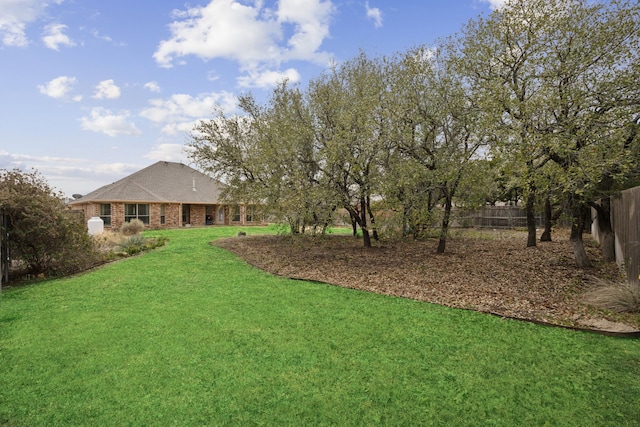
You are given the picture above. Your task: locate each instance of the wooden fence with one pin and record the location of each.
(625, 218)
(495, 217)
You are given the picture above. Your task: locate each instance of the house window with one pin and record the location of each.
(250, 213)
(162, 214)
(135, 210)
(235, 214)
(105, 214)
(221, 215)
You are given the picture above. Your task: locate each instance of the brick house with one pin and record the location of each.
(164, 195)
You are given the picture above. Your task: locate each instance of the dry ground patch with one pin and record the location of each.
(487, 271)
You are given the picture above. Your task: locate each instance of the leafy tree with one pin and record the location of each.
(436, 124)
(347, 105)
(550, 84)
(479, 185)
(502, 55)
(559, 81)
(409, 193)
(229, 148)
(268, 156)
(590, 77)
(43, 234)
(303, 193)
(554, 199)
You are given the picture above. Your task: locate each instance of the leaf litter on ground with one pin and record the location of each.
(488, 271)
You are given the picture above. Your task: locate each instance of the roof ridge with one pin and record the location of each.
(161, 182)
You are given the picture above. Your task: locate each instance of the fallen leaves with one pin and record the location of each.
(494, 274)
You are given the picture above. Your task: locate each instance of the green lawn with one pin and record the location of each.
(191, 335)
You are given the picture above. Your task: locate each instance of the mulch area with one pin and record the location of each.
(486, 271)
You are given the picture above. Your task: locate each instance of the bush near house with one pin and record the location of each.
(136, 243)
(133, 227)
(45, 238)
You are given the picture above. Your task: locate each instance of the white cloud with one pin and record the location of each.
(168, 152)
(223, 28)
(70, 174)
(107, 89)
(13, 33)
(59, 87)
(311, 19)
(374, 14)
(495, 4)
(111, 124)
(248, 34)
(12, 161)
(152, 86)
(181, 112)
(59, 164)
(15, 15)
(99, 36)
(177, 128)
(54, 36)
(267, 79)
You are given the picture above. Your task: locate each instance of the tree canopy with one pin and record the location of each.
(540, 99)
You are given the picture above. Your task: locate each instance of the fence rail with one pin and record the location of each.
(496, 217)
(625, 218)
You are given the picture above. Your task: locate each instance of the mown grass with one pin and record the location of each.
(191, 335)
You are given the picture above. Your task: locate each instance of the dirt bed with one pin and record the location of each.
(487, 271)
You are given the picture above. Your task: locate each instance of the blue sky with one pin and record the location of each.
(93, 90)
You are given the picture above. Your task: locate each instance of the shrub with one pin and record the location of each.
(45, 237)
(135, 226)
(137, 243)
(133, 244)
(620, 297)
(108, 240)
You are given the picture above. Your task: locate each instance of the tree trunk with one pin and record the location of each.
(548, 221)
(405, 215)
(359, 217)
(354, 223)
(608, 238)
(293, 225)
(577, 227)
(363, 223)
(372, 220)
(366, 238)
(608, 246)
(444, 229)
(531, 218)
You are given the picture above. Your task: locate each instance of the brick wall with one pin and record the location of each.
(155, 210)
(117, 216)
(172, 214)
(198, 213)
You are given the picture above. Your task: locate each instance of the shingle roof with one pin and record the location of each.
(162, 182)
